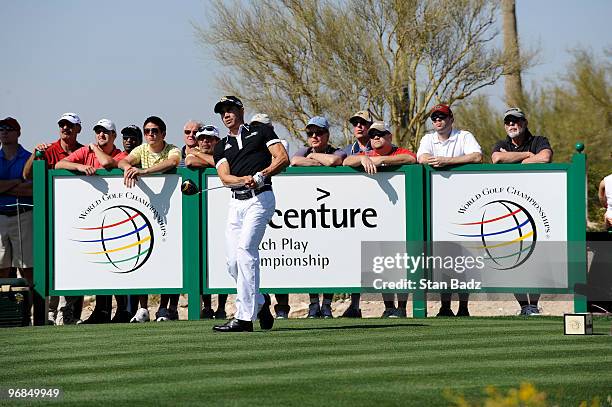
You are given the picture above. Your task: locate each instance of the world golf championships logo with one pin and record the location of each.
(507, 231)
(124, 239)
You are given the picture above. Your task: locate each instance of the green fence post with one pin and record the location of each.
(415, 231)
(40, 242)
(576, 224)
(191, 249)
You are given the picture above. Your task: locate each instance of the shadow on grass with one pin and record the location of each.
(323, 328)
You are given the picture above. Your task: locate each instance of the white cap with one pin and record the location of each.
(207, 131)
(71, 117)
(260, 118)
(107, 124)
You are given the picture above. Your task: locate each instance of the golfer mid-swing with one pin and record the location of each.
(247, 156)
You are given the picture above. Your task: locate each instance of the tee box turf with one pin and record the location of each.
(578, 324)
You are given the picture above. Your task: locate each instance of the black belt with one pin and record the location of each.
(13, 212)
(242, 194)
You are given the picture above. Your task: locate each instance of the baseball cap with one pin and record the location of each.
(362, 114)
(514, 112)
(260, 118)
(209, 130)
(106, 124)
(71, 117)
(318, 121)
(381, 127)
(11, 123)
(227, 100)
(441, 109)
(132, 131)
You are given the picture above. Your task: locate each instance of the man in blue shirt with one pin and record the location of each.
(15, 204)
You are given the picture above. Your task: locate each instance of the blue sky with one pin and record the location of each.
(126, 60)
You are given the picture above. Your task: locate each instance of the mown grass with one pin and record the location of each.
(308, 362)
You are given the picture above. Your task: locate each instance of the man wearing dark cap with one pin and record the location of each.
(246, 159)
(520, 146)
(15, 204)
(443, 147)
(132, 137)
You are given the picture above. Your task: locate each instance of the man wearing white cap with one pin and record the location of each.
(69, 127)
(88, 159)
(202, 155)
(102, 154)
(246, 159)
(383, 152)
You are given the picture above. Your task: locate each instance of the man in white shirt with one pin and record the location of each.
(443, 147)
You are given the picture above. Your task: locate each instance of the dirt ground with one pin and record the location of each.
(372, 306)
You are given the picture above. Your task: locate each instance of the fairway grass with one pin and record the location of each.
(308, 362)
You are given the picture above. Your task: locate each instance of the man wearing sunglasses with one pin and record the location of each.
(16, 228)
(520, 146)
(246, 159)
(443, 147)
(318, 153)
(189, 135)
(361, 122)
(132, 137)
(201, 156)
(88, 159)
(69, 128)
(153, 156)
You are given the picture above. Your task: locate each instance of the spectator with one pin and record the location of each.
(88, 159)
(69, 128)
(132, 138)
(189, 135)
(384, 153)
(361, 122)
(154, 156)
(15, 204)
(520, 146)
(605, 197)
(443, 147)
(318, 153)
(202, 157)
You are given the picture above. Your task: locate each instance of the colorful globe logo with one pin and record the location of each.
(124, 239)
(507, 232)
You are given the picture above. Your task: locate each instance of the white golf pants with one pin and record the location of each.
(246, 224)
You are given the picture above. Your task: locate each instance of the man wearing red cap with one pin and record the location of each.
(15, 204)
(443, 147)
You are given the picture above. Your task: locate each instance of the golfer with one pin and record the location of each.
(246, 159)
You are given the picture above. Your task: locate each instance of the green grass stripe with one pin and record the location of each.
(338, 362)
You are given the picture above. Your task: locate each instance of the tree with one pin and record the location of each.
(297, 58)
(512, 80)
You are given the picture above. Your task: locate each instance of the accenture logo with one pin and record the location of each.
(123, 239)
(507, 232)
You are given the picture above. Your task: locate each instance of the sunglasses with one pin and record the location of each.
(360, 122)
(439, 117)
(66, 123)
(6, 128)
(102, 130)
(153, 130)
(377, 134)
(512, 120)
(188, 132)
(318, 133)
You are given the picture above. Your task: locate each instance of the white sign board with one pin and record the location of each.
(516, 220)
(314, 239)
(107, 236)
